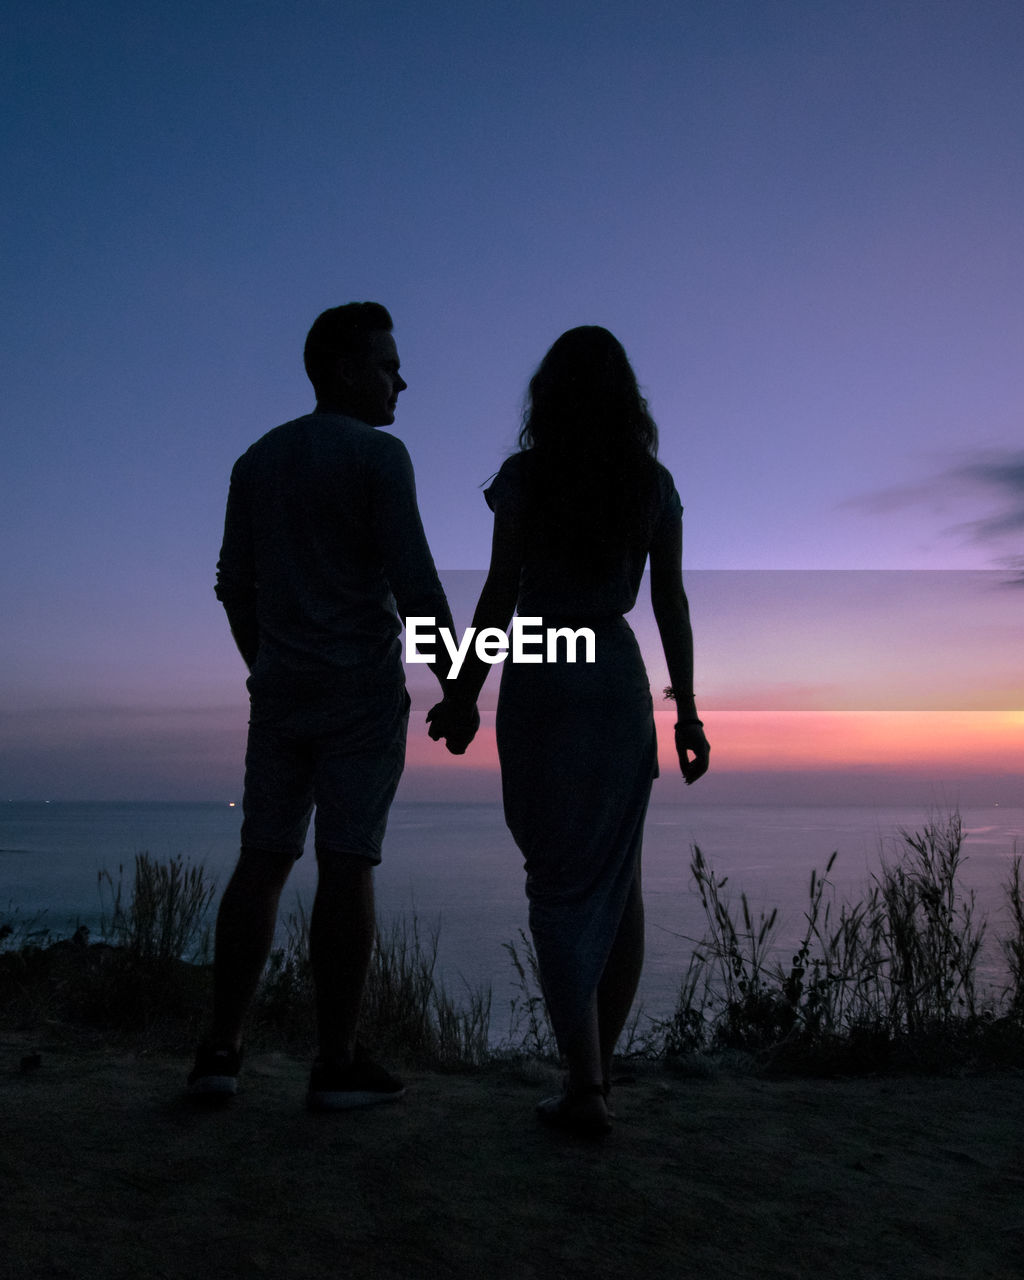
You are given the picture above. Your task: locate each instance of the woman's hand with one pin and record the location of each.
(690, 740)
(456, 722)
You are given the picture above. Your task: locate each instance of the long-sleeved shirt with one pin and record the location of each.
(323, 553)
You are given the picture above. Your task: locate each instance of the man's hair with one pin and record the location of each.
(340, 331)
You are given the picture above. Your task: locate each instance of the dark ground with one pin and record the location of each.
(106, 1170)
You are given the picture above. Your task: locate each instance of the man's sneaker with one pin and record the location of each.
(215, 1074)
(362, 1084)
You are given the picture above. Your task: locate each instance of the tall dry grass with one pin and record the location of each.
(1013, 940)
(891, 976)
(890, 979)
(162, 917)
(407, 1013)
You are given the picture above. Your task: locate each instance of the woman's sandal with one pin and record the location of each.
(581, 1111)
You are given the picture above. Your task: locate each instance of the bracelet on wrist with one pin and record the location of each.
(685, 724)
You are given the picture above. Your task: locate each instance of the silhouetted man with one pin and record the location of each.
(323, 553)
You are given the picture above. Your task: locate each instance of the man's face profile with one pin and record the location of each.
(370, 382)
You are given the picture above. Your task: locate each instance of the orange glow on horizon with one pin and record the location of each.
(780, 741)
(784, 741)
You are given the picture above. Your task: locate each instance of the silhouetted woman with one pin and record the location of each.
(577, 511)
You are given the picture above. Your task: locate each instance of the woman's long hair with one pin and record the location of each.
(592, 443)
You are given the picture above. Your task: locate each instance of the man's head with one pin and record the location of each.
(352, 361)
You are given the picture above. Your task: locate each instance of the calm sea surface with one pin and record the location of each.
(456, 867)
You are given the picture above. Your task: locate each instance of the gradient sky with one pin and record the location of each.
(802, 219)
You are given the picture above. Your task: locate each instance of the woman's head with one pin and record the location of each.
(591, 442)
(584, 395)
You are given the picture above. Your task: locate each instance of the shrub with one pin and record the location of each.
(892, 977)
(529, 1028)
(407, 1011)
(164, 918)
(1013, 944)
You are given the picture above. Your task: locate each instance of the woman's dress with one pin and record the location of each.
(578, 754)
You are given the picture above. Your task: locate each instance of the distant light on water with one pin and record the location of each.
(231, 804)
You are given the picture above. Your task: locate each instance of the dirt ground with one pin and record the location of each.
(106, 1169)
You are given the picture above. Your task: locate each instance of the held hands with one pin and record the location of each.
(690, 741)
(456, 722)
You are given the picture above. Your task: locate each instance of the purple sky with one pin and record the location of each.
(803, 220)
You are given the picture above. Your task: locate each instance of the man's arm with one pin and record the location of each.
(407, 562)
(236, 577)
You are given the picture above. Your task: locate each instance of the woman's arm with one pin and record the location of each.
(672, 614)
(455, 716)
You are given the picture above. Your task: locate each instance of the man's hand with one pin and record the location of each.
(456, 722)
(690, 740)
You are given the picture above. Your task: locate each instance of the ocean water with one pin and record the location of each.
(455, 866)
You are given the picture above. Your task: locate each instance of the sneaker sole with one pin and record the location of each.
(349, 1099)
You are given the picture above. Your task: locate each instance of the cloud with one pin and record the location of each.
(993, 479)
(1000, 477)
(1015, 566)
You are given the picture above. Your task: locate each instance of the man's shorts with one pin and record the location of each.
(341, 753)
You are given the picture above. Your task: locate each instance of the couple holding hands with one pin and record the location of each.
(323, 555)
